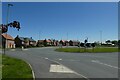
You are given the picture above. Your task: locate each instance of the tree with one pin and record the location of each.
(4, 28)
(14, 24)
(88, 44)
(61, 42)
(82, 45)
(108, 41)
(115, 42)
(45, 42)
(71, 43)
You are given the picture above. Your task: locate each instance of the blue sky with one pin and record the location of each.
(42, 20)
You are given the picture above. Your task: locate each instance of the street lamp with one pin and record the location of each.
(101, 37)
(7, 19)
(7, 24)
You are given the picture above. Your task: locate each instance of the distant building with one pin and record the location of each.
(40, 43)
(19, 41)
(48, 42)
(74, 42)
(24, 41)
(32, 42)
(44, 43)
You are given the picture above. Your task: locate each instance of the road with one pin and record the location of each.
(47, 63)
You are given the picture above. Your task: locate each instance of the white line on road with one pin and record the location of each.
(46, 58)
(96, 61)
(60, 69)
(71, 70)
(60, 59)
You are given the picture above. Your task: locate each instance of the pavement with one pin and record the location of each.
(47, 63)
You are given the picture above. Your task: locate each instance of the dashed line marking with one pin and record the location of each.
(60, 59)
(96, 61)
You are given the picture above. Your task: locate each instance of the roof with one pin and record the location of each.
(74, 40)
(21, 38)
(30, 39)
(43, 41)
(62, 40)
(48, 40)
(40, 40)
(7, 36)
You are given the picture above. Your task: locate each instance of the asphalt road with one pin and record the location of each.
(44, 62)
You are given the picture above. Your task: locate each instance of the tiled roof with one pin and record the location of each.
(48, 40)
(43, 41)
(7, 36)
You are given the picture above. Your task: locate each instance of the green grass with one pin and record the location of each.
(15, 68)
(83, 50)
(0, 66)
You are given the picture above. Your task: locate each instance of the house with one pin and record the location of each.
(56, 43)
(19, 41)
(74, 42)
(64, 42)
(40, 43)
(24, 41)
(7, 41)
(32, 42)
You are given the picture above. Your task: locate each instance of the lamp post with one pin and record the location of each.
(101, 37)
(7, 19)
(67, 39)
(7, 23)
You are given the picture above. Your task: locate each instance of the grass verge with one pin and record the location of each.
(15, 68)
(89, 50)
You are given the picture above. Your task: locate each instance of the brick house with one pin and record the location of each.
(7, 41)
(44, 42)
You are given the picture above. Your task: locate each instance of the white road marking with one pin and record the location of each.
(33, 73)
(60, 69)
(71, 70)
(12, 49)
(60, 59)
(46, 58)
(24, 49)
(96, 61)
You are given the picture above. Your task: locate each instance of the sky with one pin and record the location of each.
(64, 20)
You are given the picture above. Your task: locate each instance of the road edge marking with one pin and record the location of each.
(33, 73)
